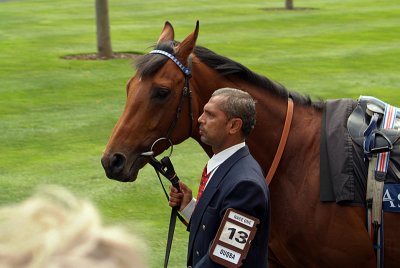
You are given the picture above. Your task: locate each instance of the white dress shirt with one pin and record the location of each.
(212, 165)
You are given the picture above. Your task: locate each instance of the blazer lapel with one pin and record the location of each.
(211, 189)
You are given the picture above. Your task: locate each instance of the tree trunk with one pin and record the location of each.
(289, 4)
(104, 49)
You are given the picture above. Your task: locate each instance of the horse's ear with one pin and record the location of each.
(186, 47)
(167, 33)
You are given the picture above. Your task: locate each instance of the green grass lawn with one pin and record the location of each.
(56, 115)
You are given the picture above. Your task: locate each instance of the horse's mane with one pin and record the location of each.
(150, 63)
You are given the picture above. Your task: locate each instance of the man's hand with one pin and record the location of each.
(180, 199)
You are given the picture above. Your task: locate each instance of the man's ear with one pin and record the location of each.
(236, 125)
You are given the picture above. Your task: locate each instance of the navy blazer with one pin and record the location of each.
(238, 183)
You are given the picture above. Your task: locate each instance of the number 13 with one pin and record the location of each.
(242, 236)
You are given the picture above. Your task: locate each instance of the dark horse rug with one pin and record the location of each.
(344, 167)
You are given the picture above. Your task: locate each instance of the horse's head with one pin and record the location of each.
(158, 105)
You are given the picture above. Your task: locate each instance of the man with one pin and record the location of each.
(235, 180)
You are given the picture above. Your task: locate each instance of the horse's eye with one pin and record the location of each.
(161, 93)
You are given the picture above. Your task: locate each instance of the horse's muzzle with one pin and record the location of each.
(115, 166)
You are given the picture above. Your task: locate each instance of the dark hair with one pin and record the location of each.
(238, 104)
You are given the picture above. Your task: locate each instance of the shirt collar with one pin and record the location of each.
(217, 159)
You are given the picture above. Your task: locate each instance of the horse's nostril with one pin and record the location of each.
(117, 162)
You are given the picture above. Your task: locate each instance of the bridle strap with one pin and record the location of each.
(184, 69)
(160, 166)
(186, 91)
(282, 142)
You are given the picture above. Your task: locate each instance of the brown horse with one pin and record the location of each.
(305, 232)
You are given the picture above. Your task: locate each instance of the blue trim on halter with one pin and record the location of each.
(184, 69)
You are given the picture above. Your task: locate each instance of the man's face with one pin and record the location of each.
(214, 125)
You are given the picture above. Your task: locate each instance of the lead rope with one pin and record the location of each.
(182, 219)
(166, 168)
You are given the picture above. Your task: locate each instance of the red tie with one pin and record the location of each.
(203, 182)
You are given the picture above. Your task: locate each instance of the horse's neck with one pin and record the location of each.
(304, 134)
(271, 115)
